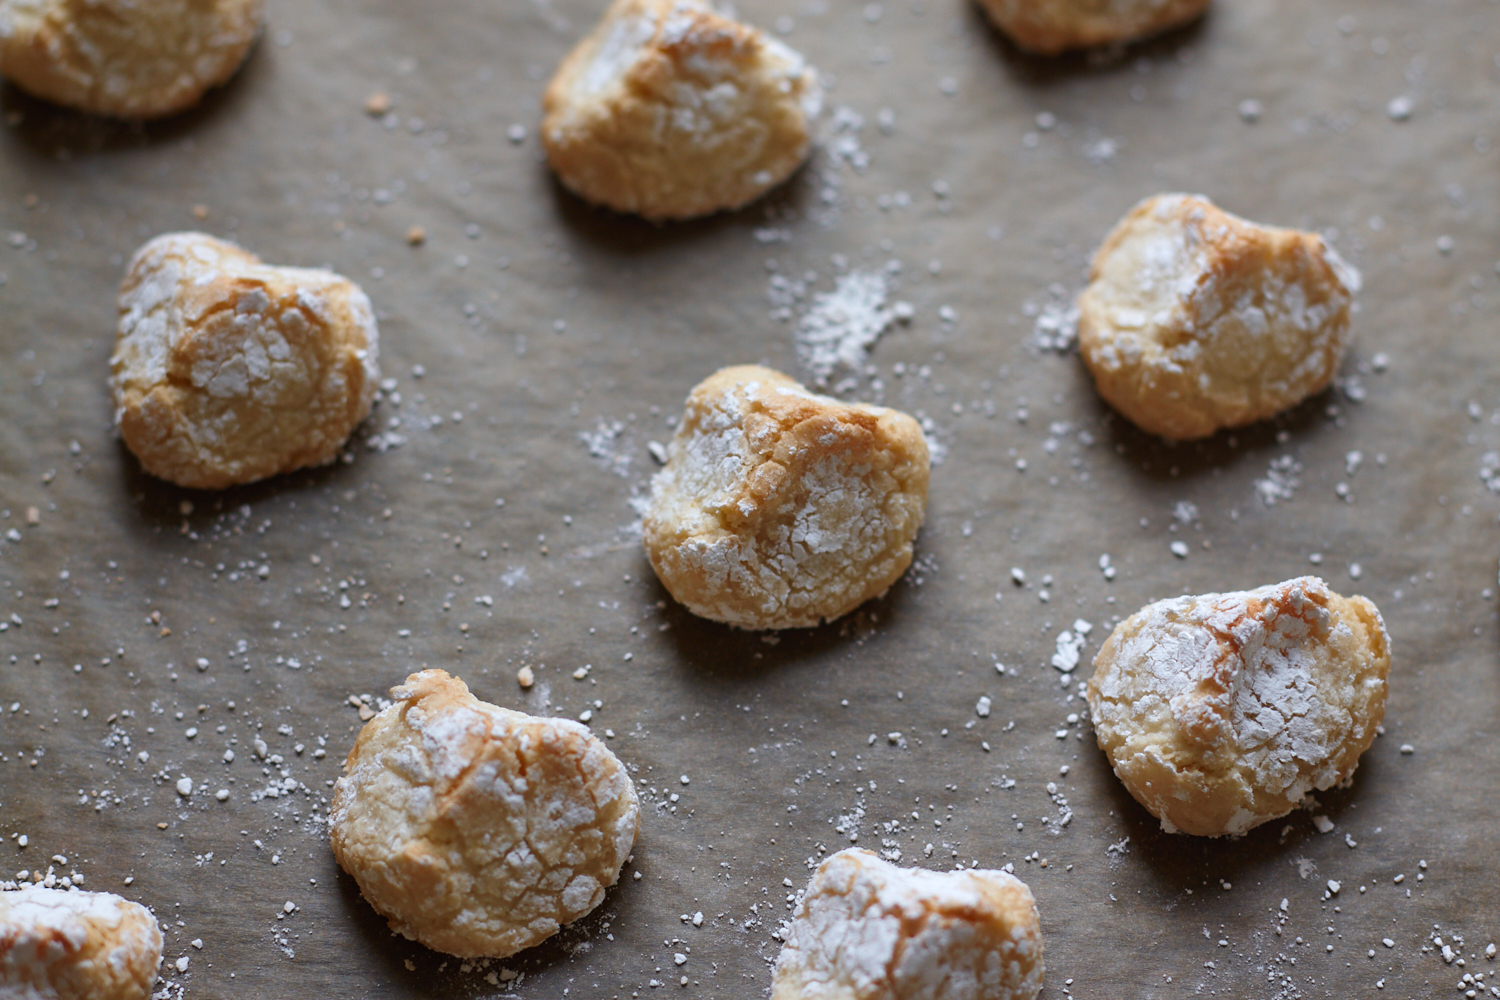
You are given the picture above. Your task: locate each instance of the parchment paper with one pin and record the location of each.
(537, 347)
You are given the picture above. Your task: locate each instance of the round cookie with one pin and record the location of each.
(1221, 712)
(477, 830)
(778, 508)
(670, 110)
(75, 945)
(125, 58)
(226, 370)
(868, 930)
(1048, 27)
(1196, 320)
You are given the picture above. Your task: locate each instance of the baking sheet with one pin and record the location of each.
(538, 346)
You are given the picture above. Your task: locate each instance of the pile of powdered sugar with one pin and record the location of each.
(834, 335)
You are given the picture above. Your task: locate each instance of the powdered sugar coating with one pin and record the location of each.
(868, 930)
(227, 370)
(1223, 711)
(75, 945)
(670, 110)
(779, 508)
(1048, 27)
(126, 58)
(1196, 320)
(477, 830)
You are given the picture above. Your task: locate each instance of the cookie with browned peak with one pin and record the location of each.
(780, 508)
(75, 945)
(125, 58)
(1221, 712)
(669, 110)
(1196, 320)
(868, 930)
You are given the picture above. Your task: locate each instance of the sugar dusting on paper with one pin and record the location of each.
(836, 332)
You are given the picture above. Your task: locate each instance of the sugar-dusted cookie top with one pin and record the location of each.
(1196, 320)
(780, 508)
(227, 370)
(1223, 711)
(125, 58)
(866, 929)
(76, 945)
(669, 110)
(477, 830)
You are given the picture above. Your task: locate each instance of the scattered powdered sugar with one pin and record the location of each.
(1055, 322)
(786, 294)
(1070, 645)
(848, 823)
(841, 138)
(1489, 470)
(1101, 150)
(609, 443)
(1283, 476)
(937, 438)
(834, 335)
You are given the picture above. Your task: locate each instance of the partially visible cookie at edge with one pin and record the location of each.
(866, 929)
(76, 945)
(477, 830)
(125, 59)
(1050, 27)
(780, 508)
(1195, 320)
(1223, 711)
(227, 370)
(670, 110)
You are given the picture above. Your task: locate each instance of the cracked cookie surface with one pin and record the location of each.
(125, 58)
(669, 110)
(227, 370)
(868, 930)
(1196, 320)
(1221, 712)
(780, 508)
(476, 830)
(75, 945)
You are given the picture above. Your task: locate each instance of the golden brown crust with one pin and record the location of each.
(1048, 27)
(867, 930)
(476, 830)
(226, 370)
(1221, 712)
(1196, 320)
(125, 59)
(74, 945)
(779, 508)
(669, 110)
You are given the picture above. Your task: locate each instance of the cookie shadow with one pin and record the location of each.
(1029, 69)
(729, 657)
(621, 234)
(1181, 862)
(161, 505)
(1158, 460)
(425, 972)
(54, 133)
